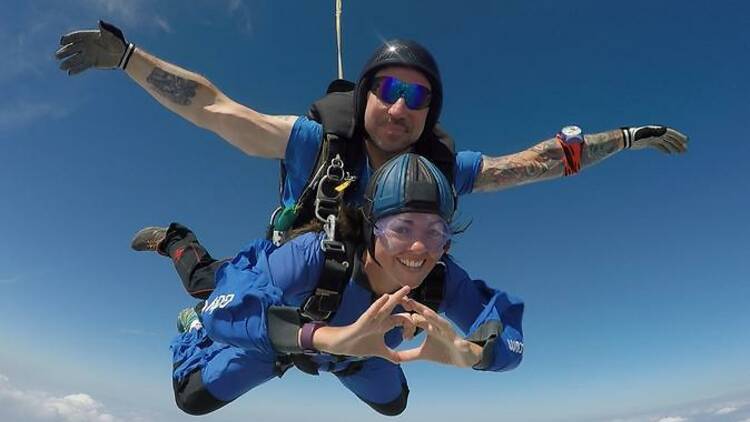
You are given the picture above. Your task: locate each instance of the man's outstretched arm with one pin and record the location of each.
(188, 94)
(547, 160)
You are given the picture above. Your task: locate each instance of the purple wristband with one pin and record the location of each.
(306, 336)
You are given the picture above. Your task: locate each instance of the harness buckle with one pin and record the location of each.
(326, 207)
(330, 190)
(334, 246)
(321, 305)
(335, 170)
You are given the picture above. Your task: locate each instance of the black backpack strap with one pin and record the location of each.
(341, 85)
(336, 272)
(304, 363)
(335, 112)
(432, 289)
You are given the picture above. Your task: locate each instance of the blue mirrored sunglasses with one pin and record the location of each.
(390, 89)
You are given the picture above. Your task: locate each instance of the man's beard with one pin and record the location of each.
(404, 142)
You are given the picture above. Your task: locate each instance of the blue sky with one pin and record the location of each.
(635, 272)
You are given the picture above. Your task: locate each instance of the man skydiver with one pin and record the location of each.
(397, 102)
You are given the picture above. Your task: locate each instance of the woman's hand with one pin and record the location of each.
(366, 336)
(442, 343)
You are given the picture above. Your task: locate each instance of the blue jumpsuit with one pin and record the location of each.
(233, 351)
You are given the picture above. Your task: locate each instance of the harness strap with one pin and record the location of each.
(336, 272)
(327, 197)
(432, 289)
(304, 363)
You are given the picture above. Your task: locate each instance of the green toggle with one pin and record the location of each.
(285, 220)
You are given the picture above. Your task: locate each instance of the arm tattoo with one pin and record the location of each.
(175, 88)
(541, 162)
(600, 146)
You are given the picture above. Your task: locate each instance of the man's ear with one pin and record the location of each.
(447, 247)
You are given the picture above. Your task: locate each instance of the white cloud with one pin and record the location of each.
(234, 5)
(39, 406)
(127, 12)
(29, 46)
(163, 24)
(239, 10)
(76, 407)
(672, 419)
(140, 13)
(726, 410)
(27, 52)
(25, 113)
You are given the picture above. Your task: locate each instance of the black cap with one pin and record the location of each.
(400, 53)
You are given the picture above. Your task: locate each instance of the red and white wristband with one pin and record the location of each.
(571, 140)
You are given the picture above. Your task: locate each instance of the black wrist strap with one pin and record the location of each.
(627, 138)
(126, 56)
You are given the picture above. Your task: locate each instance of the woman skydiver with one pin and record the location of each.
(251, 328)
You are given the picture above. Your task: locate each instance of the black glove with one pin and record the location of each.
(103, 48)
(662, 138)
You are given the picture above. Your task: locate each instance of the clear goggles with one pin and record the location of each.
(401, 231)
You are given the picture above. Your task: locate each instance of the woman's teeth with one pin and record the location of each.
(411, 263)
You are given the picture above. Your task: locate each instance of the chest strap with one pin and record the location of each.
(432, 289)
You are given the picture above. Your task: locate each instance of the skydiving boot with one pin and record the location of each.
(150, 239)
(187, 319)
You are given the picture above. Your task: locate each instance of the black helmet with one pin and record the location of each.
(400, 53)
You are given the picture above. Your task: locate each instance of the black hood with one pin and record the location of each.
(400, 53)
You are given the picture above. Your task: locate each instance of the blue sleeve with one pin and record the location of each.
(256, 280)
(295, 268)
(468, 165)
(299, 157)
(489, 317)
